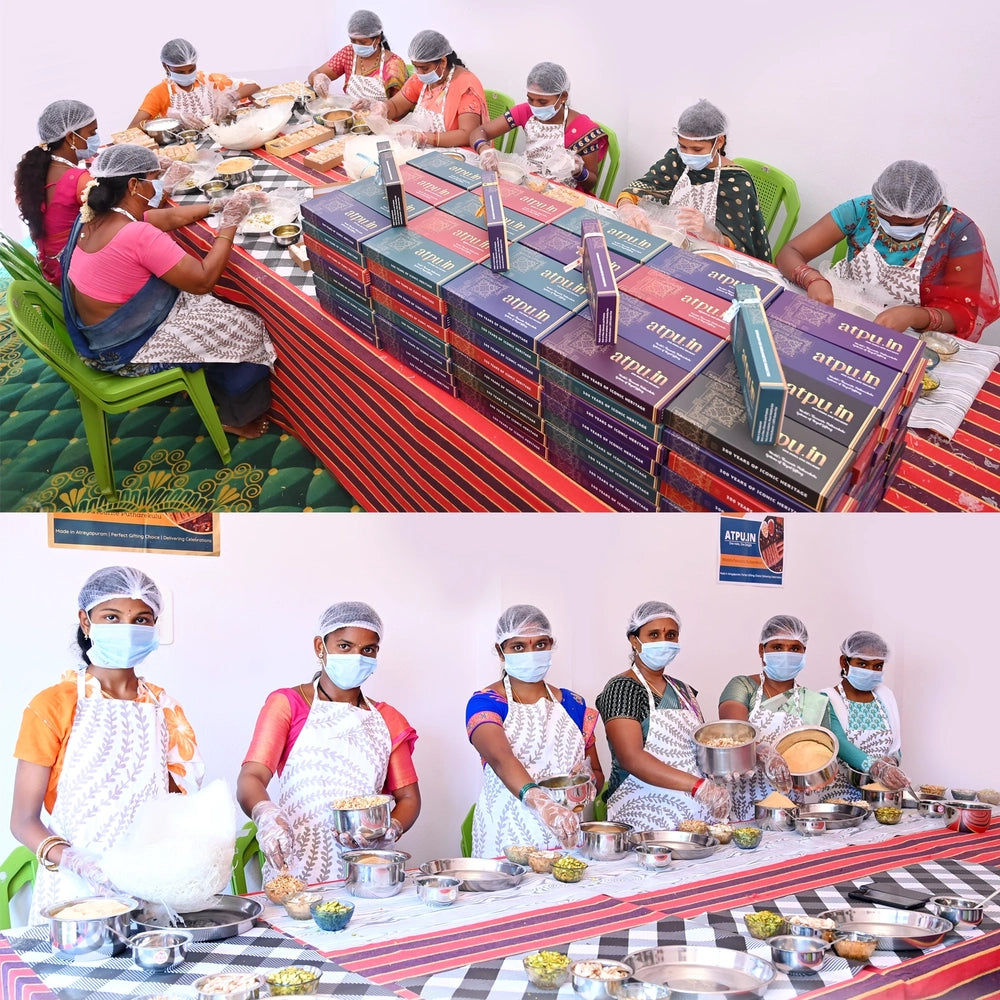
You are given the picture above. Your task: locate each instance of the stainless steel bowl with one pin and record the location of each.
(375, 874)
(819, 777)
(653, 857)
(877, 799)
(214, 188)
(234, 178)
(826, 934)
(856, 779)
(934, 808)
(779, 820)
(593, 987)
(956, 909)
(437, 890)
(189, 135)
(721, 762)
(286, 234)
(162, 131)
(574, 791)
(159, 951)
(604, 841)
(797, 956)
(90, 937)
(682, 845)
(810, 826)
(251, 992)
(341, 120)
(370, 822)
(964, 817)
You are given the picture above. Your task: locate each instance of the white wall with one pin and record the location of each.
(243, 622)
(830, 93)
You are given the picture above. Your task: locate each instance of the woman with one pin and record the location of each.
(551, 128)
(716, 198)
(136, 303)
(865, 716)
(49, 180)
(921, 261)
(187, 93)
(371, 70)
(774, 702)
(443, 102)
(100, 743)
(650, 719)
(325, 734)
(524, 731)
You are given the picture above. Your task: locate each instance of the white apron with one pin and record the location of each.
(425, 119)
(367, 88)
(540, 138)
(545, 739)
(116, 759)
(670, 739)
(195, 103)
(703, 197)
(771, 726)
(874, 742)
(341, 751)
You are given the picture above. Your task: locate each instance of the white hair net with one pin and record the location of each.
(364, 24)
(178, 52)
(120, 581)
(701, 121)
(350, 614)
(429, 46)
(867, 645)
(906, 188)
(124, 161)
(522, 619)
(649, 611)
(784, 627)
(62, 117)
(548, 79)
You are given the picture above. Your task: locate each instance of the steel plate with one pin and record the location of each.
(838, 815)
(477, 874)
(896, 930)
(697, 971)
(228, 917)
(683, 846)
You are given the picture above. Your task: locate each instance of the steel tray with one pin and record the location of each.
(896, 930)
(228, 917)
(477, 874)
(699, 971)
(683, 846)
(838, 815)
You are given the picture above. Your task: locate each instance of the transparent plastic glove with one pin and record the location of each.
(634, 216)
(489, 158)
(187, 118)
(410, 137)
(240, 206)
(775, 768)
(377, 109)
(174, 174)
(889, 773)
(584, 768)
(385, 842)
(273, 833)
(87, 865)
(690, 220)
(561, 165)
(563, 822)
(223, 104)
(714, 798)
(321, 84)
(216, 205)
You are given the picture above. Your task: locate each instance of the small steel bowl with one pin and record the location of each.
(605, 841)
(252, 992)
(876, 798)
(855, 946)
(297, 905)
(361, 129)
(778, 820)
(189, 135)
(594, 987)
(233, 177)
(797, 956)
(162, 131)
(826, 934)
(934, 808)
(89, 937)
(159, 951)
(957, 910)
(437, 890)
(286, 234)
(341, 120)
(810, 826)
(252, 186)
(721, 762)
(653, 857)
(213, 188)
(820, 777)
(574, 791)
(375, 874)
(964, 817)
(542, 861)
(370, 821)
(856, 779)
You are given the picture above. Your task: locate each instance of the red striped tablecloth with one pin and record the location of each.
(17, 980)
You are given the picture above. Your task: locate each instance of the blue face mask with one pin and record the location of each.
(697, 161)
(121, 647)
(183, 79)
(783, 666)
(154, 201)
(428, 78)
(659, 655)
(864, 679)
(364, 51)
(528, 667)
(902, 233)
(349, 670)
(544, 114)
(93, 145)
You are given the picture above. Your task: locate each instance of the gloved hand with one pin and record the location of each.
(240, 206)
(376, 109)
(223, 104)
(384, 842)
(889, 773)
(274, 834)
(216, 205)
(775, 768)
(174, 173)
(321, 84)
(187, 118)
(411, 137)
(634, 216)
(87, 865)
(489, 158)
(577, 164)
(584, 768)
(690, 220)
(714, 798)
(563, 822)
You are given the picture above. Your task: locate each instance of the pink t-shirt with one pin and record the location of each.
(117, 271)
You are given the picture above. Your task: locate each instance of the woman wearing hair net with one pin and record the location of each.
(100, 743)
(560, 142)
(189, 94)
(525, 730)
(49, 180)
(371, 70)
(865, 717)
(327, 741)
(715, 198)
(135, 302)
(774, 702)
(921, 263)
(442, 102)
(650, 718)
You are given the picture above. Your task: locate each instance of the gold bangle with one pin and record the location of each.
(43, 849)
(223, 236)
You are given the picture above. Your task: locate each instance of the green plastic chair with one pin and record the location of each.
(21, 265)
(496, 104)
(600, 806)
(839, 252)
(609, 165)
(775, 189)
(466, 828)
(246, 850)
(17, 870)
(101, 393)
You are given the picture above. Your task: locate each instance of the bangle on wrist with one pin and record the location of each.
(696, 786)
(626, 196)
(477, 144)
(584, 174)
(224, 236)
(525, 789)
(816, 277)
(45, 847)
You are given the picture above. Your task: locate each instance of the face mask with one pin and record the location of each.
(783, 666)
(93, 145)
(121, 646)
(363, 50)
(528, 667)
(697, 161)
(349, 670)
(432, 77)
(157, 197)
(658, 655)
(902, 233)
(544, 114)
(183, 79)
(864, 679)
